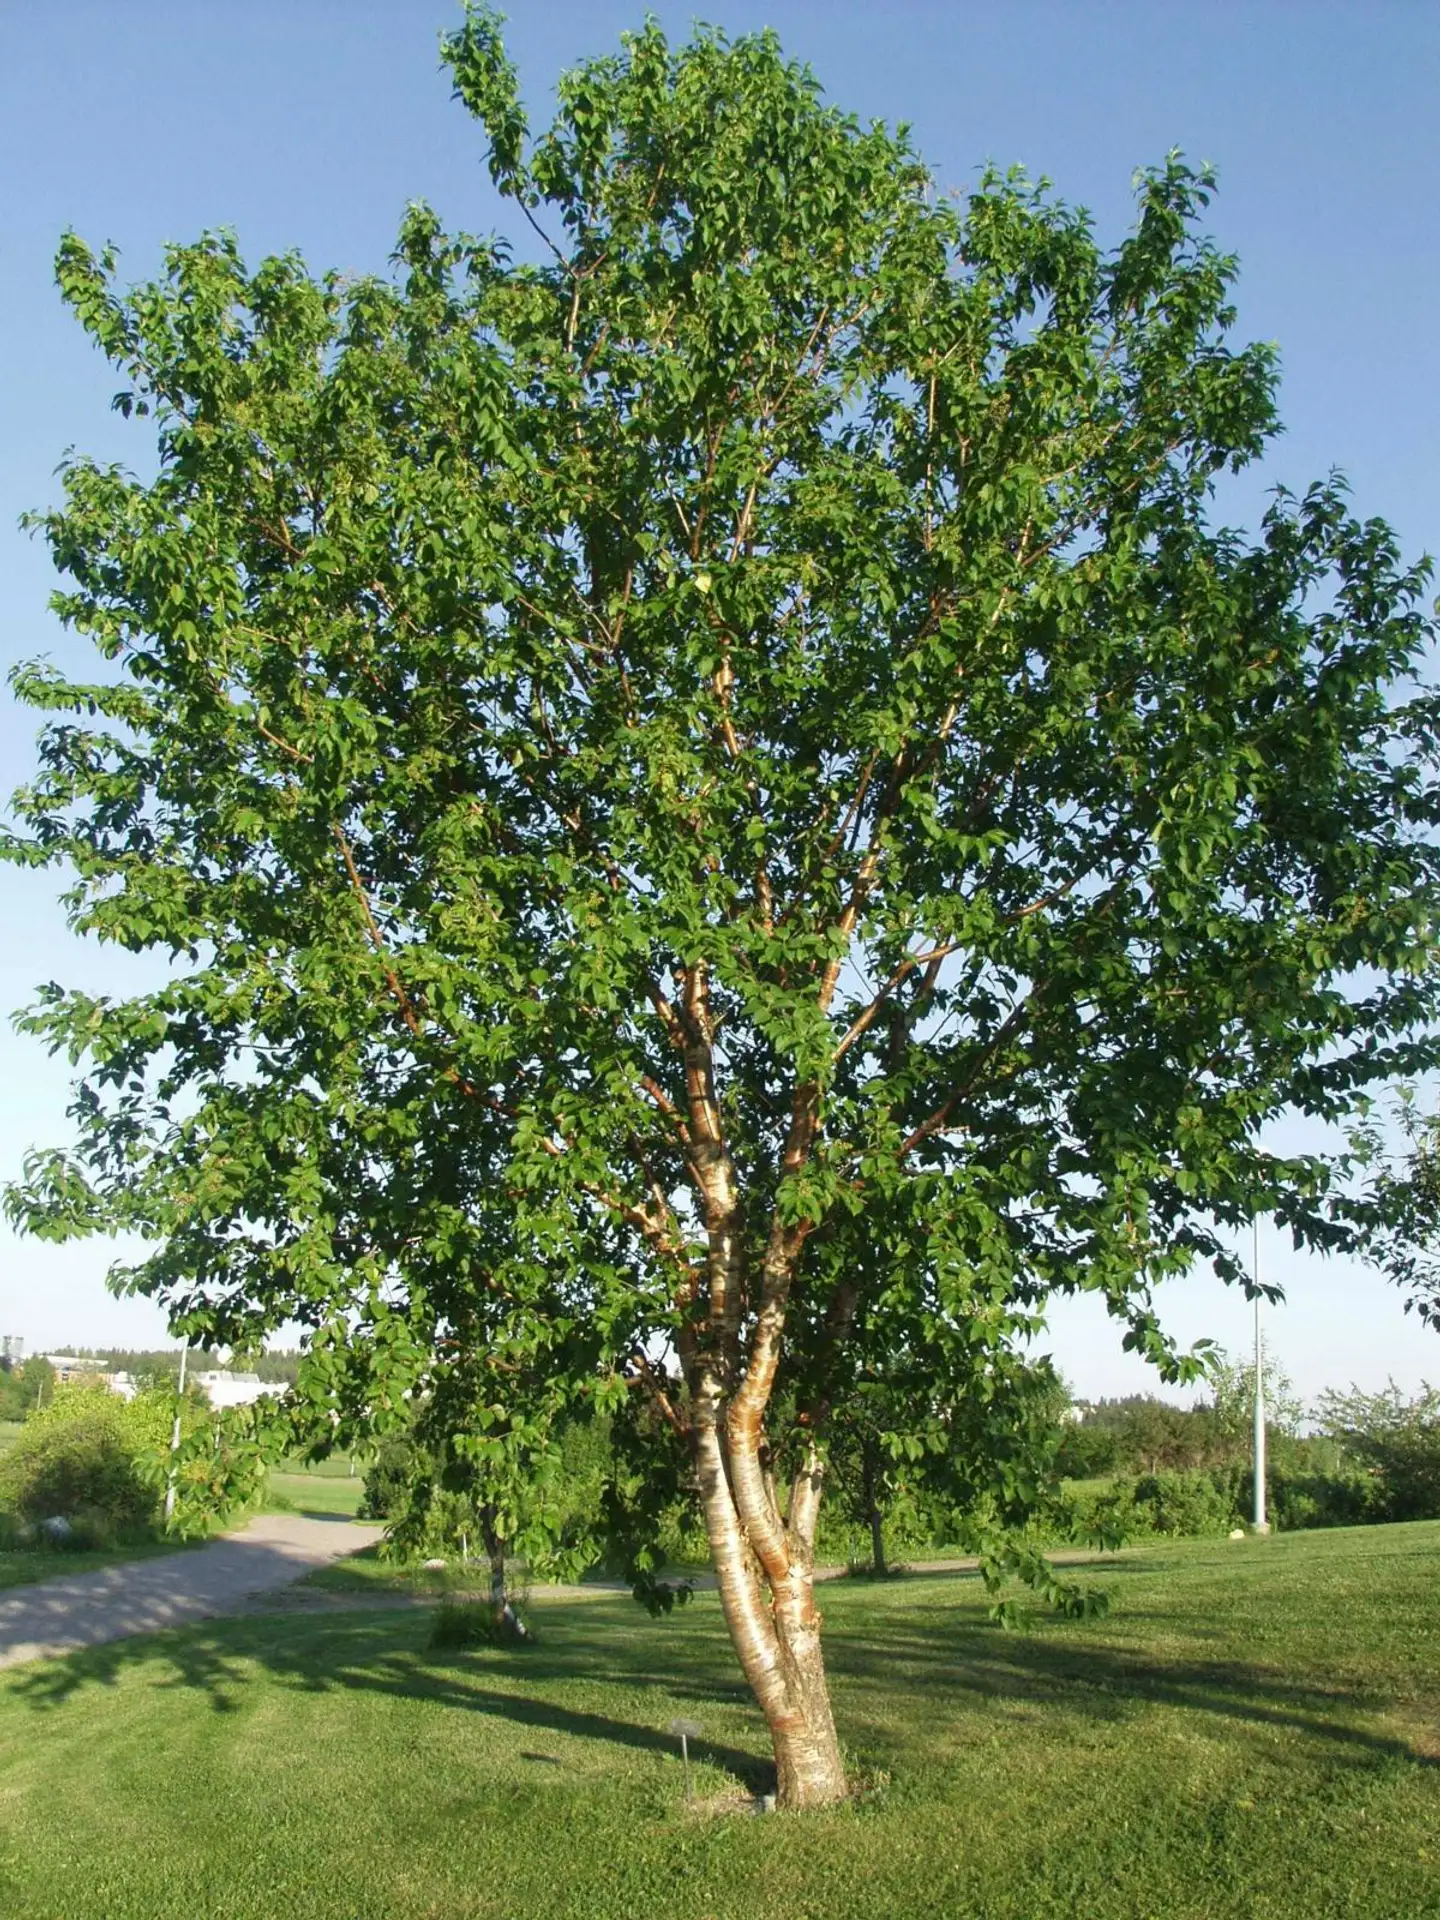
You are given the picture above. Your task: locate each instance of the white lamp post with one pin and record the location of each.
(175, 1438)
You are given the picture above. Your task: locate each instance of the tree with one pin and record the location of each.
(37, 1385)
(1399, 1175)
(966, 1466)
(1232, 1385)
(723, 808)
(1395, 1439)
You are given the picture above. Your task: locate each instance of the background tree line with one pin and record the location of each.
(1109, 1470)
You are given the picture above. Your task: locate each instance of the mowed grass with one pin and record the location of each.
(1254, 1731)
(308, 1490)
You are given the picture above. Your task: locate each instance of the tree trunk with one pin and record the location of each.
(775, 1629)
(764, 1564)
(874, 1515)
(495, 1553)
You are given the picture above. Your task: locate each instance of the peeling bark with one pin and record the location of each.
(764, 1566)
(770, 1611)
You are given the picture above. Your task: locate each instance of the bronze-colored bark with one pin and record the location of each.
(774, 1626)
(764, 1564)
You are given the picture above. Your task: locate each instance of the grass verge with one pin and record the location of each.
(301, 1490)
(1252, 1732)
(25, 1566)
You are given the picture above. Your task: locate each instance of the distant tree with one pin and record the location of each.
(1400, 1184)
(1155, 1436)
(37, 1385)
(896, 1436)
(12, 1393)
(1232, 1384)
(745, 726)
(1087, 1450)
(1395, 1438)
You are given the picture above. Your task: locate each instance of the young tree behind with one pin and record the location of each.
(743, 727)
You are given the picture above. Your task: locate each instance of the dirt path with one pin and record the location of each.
(142, 1596)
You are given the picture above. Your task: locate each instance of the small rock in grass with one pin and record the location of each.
(433, 1566)
(1237, 1533)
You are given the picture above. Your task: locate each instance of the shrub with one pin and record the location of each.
(1396, 1440)
(77, 1457)
(1189, 1504)
(1340, 1499)
(388, 1481)
(475, 1623)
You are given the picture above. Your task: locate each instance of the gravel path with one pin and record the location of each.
(142, 1596)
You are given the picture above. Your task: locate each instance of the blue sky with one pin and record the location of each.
(309, 124)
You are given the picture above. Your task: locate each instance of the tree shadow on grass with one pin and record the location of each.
(894, 1669)
(218, 1661)
(1078, 1672)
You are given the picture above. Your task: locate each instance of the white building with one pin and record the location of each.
(224, 1389)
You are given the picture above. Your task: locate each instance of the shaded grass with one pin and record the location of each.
(1252, 1732)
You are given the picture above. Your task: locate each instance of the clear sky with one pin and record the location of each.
(308, 124)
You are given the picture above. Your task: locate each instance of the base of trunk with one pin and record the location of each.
(809, 1769)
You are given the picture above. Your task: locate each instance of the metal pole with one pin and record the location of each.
(1262, 1525)
(175, 1438)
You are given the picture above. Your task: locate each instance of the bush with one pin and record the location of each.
(475, 1623)
(1340, 1499)
(1187, 1504)
(1396, 1441)
(78, 1458)
(389, 1479)
(1201, 1503)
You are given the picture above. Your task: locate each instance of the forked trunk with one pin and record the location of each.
(775, 1628)
(777, 1640)
(764, 1563)
(809, 1769)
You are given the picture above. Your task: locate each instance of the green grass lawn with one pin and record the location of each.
(366, 1572)
(1254, 1731)
(299, 1489)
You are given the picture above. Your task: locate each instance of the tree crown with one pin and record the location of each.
(743, 730)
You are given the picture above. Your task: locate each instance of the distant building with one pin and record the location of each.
(69, 1367)
(76, 1366)
(12, 1348)
(225, 1389)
